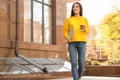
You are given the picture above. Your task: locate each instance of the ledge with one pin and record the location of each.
(102, 71)
(32, 46)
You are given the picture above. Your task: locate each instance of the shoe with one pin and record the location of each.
(45, 70)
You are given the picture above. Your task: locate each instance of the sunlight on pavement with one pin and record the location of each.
(92, 78)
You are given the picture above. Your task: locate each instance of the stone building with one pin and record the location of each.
(40, 24)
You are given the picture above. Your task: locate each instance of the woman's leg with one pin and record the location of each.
(73, 58)
(81, 57)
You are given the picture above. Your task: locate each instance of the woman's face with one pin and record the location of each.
(76, 9)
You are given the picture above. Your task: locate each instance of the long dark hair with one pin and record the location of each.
(81, 9)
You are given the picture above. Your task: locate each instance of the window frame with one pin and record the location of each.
(32, 15)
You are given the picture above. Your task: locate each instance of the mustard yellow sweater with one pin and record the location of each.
(73, 23)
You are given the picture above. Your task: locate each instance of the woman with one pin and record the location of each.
(75, 32)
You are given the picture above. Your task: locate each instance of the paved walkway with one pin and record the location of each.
(93, 78)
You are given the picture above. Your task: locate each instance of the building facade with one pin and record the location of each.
(40, 25)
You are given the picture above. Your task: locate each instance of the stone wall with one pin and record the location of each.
(35, 50)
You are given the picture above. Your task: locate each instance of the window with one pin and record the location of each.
(38, 21)
(47, 24)
(27, 20)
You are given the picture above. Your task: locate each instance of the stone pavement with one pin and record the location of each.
(92, 78)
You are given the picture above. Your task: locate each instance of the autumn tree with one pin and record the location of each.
(110, 29)
(110, 26)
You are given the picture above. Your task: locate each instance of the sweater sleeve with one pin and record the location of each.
(87, 26)
(66, 29)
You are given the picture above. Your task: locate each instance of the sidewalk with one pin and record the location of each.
(92, 78)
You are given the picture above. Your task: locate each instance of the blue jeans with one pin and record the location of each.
(77, 52)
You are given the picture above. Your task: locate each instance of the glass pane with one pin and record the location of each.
(37, 22)
(40, 0)
(27, 20)
(47, 25)
(48, 2)
(14, 66)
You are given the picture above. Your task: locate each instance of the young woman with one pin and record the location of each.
(75, 32)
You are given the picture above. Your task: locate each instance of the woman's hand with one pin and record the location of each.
(68, 40)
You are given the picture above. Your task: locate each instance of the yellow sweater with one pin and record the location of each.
(73, 23)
